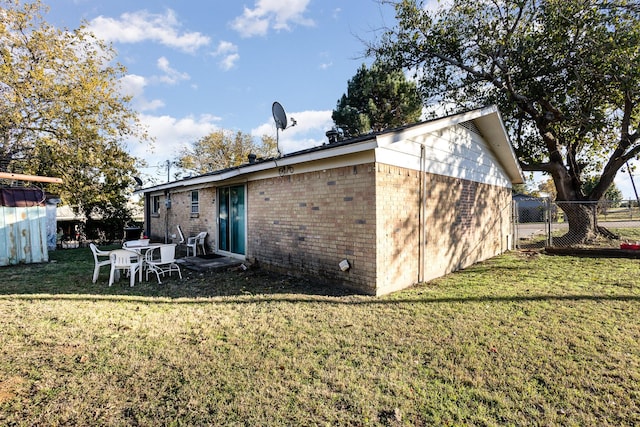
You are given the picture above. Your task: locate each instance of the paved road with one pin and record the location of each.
(526, 230)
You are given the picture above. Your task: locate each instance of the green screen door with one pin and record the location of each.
(231, 219)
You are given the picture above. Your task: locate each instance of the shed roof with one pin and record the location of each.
(22, 197)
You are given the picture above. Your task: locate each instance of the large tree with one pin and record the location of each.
(564, 73)
(223, 149)
(377, 98)
(61, 112)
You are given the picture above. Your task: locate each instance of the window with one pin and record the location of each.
(155, 205)
(195, 204)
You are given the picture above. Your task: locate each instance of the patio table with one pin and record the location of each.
(141, 250)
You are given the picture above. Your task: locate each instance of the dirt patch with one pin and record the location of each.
(10, 388)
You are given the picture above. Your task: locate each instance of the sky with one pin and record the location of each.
(196, 66)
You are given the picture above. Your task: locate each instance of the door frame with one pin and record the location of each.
(217, 213)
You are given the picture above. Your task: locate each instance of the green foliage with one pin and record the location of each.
(223, 149)
(548, 187)
(377, 98)
(564, 73)
(612, 197)
(61, 113)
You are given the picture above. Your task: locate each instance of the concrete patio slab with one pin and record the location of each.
(197, 263)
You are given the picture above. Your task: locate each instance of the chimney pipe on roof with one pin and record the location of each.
(335, 135)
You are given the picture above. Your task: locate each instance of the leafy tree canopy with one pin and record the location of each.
(61, 113)
(564, 73)
(613, 195)
(377, 98)
(223, 149)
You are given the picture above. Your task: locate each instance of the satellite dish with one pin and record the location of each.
(138, 181)
(279, 116)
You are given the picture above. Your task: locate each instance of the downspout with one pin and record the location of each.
(147, 214)
(167, 209)
(422, 200)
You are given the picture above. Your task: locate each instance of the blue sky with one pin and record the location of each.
(194, 66)
(197, 66)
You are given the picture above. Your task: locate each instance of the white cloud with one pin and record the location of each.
(307, 133)
(271, 14)
(171, 135)
(229, 61)
(133, 85)
(326, 63)
(435, 5)
(141, 26)
(171, 75)
(229, 53)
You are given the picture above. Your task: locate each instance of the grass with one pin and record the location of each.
(522, 339)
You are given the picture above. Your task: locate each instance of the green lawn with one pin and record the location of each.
(523, 339)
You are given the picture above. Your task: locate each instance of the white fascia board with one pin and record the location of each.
(270, 167)
(492, 128)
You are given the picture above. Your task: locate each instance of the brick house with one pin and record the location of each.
(400, 207)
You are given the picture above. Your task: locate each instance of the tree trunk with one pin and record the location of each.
(583, 226)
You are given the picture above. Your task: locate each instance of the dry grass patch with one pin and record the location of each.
(521, 339)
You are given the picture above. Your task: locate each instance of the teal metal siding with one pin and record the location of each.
(23, 235)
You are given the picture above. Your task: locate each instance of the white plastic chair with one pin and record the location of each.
(162, 260)
(98, 263)
(194, 242)
(181, 235)
(122, 259)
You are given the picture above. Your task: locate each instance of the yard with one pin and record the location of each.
(522, 339)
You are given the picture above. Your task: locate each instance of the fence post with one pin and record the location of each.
(547, 219)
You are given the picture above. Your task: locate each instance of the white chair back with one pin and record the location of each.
(167, 253)
(181, 234)
(98, 263)
(193, 242)
(123, 259)
(161, 260)
(97, 252)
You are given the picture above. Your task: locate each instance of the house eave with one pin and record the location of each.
(306, 156)
(487, 120)
(489, 123)
(492, 128)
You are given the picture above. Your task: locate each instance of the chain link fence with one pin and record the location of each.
(541, 222)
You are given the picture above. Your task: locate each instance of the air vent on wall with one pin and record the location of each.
(470, 125)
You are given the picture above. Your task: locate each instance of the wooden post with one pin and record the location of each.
(21, 177)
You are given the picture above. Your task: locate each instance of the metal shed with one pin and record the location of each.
(23, 226)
